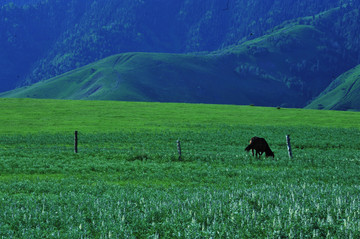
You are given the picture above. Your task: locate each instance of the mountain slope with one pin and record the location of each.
(284, 68)
(342, 94)
(153, 77)
(43, 39)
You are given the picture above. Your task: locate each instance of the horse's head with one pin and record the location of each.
(269, 154)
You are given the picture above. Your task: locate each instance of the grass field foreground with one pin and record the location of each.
(127, 182)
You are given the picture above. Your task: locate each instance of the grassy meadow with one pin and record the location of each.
(127, 181)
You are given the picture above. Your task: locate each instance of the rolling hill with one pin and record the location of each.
(154, 77)
(43, 39)
(287, 67)
(342, 94)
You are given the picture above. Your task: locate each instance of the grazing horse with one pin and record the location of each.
(260, 146)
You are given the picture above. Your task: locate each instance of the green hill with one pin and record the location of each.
(157, 77)
(43, 39)
(284, 68)
(342, 94)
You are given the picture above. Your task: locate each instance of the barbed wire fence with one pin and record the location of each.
(135, 146)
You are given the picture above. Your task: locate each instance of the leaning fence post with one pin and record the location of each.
(76, 142)
(288, 145)
(179, 148)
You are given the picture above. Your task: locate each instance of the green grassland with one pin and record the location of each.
(58, 116)
(127, 181)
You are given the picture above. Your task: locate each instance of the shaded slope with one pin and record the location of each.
(287, 68)
(342, 94)
(157, 77)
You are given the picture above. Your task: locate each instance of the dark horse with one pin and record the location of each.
(260, 145)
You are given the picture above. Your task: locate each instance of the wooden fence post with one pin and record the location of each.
(288, 145)
(179, 149)
(76, 142)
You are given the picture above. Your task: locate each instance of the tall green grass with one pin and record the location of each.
(57, 116)
(127, 182)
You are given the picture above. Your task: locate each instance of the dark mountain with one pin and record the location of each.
(43, 39)
(287, 67)
(295, 49)
(28, 33)
(19, 2)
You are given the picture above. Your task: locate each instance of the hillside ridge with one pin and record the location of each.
(342, 94)
(288, 67)
(66, 36)
(241, 74)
